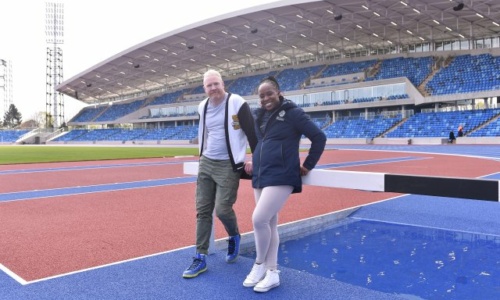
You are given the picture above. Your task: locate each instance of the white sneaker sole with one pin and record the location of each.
(249, 284)
(265, 289)
(252, 284)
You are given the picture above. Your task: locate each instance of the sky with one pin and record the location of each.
(93, 32)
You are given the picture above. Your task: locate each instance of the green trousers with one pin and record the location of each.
(216, 187)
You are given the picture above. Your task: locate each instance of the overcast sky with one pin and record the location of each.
(93, 32)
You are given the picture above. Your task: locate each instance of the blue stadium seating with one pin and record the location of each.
(11, 135)
(439, 124)
(466, 74)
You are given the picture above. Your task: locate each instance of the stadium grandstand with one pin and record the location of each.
(378, 72)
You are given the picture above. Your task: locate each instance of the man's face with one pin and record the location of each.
(214, 87)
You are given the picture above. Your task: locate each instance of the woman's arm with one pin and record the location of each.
(317, 137)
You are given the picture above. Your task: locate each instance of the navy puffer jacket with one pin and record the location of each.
(276, 158)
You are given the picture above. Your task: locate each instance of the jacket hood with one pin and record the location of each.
(287, 104)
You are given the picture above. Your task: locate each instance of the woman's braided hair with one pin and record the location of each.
(271, 80)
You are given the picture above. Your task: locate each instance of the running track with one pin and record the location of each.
(66, 226)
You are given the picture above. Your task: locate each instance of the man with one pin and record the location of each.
(225, 126)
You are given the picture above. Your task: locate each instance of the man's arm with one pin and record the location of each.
(247, 125)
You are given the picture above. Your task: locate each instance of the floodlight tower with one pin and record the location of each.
(54, 33)
(5, 86)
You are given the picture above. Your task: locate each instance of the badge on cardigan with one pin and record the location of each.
(236, 122)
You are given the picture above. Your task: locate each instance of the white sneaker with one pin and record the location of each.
(257, 274)
(271, 280)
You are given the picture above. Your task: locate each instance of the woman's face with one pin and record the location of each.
(269, 96)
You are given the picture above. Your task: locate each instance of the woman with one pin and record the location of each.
(276, 173)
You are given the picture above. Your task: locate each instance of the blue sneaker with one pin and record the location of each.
(233, 248)
(198, 266)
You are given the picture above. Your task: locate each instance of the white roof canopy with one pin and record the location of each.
(281, 32)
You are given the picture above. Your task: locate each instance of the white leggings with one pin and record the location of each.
(269, 202)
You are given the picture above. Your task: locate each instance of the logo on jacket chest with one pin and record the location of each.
(236, 122)
(281, 116)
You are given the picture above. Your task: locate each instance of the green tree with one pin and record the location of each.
(12, 117)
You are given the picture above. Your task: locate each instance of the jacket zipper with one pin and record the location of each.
(262, 143)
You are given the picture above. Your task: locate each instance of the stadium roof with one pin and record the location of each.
(280, 32)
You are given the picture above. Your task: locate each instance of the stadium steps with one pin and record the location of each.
(440, 64)
(482, 125)
(373, 71)
(100, 114)
(423, 86)
(392, 128)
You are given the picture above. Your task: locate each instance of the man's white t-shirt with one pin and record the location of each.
(216, 147)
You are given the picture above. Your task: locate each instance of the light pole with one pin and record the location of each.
(54, 33)
(5, 86)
